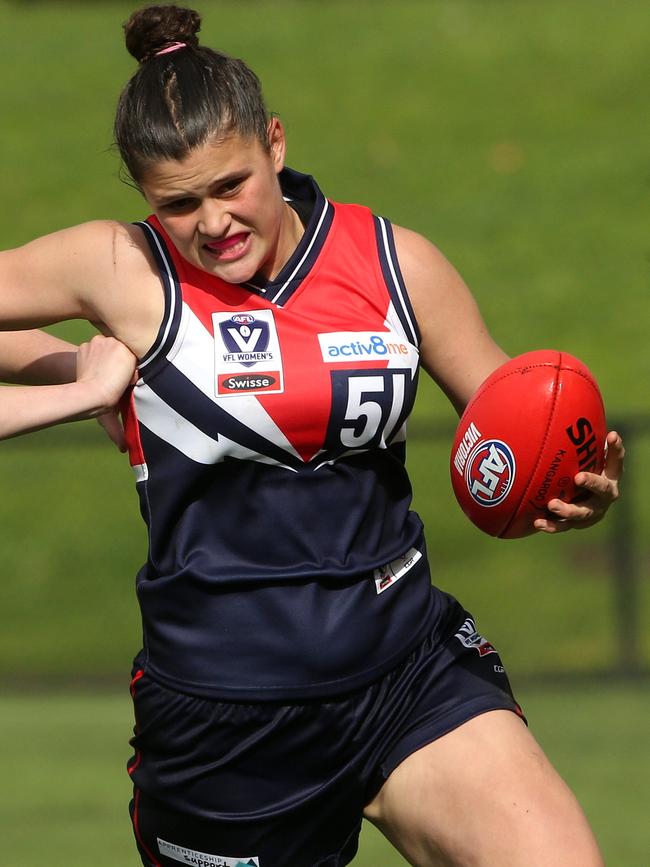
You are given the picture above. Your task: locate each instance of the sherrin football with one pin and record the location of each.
(532, 425)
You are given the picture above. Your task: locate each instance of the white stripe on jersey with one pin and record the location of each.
(141, 472)
(190, 359)
(396, 406)
(394, 323)
(163, 421)
(277, 296)
(396, 283)
(170, 291)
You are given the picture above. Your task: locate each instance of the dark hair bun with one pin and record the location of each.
(153, 28)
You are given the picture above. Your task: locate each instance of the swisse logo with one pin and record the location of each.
(248, 381)
(490, 472)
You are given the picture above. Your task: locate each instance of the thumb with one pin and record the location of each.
(112, 424)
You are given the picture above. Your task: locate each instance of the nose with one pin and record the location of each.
(214, 219)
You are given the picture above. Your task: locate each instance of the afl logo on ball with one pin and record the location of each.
(490, 472)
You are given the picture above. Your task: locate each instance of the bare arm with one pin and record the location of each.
(54, 278)
(101, 271)
(456, 348)
(105, 367)
(458, 352)
(36, 358)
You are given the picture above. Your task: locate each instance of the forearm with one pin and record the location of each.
(29, 408)
(35, 357)
(104, 369)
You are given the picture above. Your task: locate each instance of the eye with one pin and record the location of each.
(230, 187)
(179, 206)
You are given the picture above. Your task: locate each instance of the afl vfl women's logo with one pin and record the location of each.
(246, 338)
(247, 355)
(490, 472)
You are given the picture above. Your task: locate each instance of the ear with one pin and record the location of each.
(277, 143)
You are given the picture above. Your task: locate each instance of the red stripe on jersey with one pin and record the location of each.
(131, 430)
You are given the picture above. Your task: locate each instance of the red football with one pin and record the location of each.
(532, 425)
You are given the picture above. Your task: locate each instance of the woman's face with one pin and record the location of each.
(223, 208)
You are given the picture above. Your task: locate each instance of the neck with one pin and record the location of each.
(291, 231)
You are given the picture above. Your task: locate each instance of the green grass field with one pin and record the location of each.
(66, 790)
(516, 136)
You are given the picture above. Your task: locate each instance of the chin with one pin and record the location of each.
(235, 273)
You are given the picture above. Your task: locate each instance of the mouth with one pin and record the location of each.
(230, 248)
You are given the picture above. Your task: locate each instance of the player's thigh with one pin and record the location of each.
(483, 795)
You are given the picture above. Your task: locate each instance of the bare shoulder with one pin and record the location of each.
(99, 231)
(101, 271)
(414, 247)
(81, 251)
(425, 269)
(118, 263)
(456, 348)
(131, 302)
(116, 243)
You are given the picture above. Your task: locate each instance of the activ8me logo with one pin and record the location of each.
(344, 346)
(490, 472)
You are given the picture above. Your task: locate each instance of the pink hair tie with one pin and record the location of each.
(175, 46)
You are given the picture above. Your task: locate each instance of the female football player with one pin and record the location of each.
(299, 670)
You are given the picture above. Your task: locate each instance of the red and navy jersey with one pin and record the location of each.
(267, 434)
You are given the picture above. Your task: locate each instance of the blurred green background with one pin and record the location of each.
(514, 135)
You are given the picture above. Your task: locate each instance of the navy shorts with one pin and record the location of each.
(224, 784)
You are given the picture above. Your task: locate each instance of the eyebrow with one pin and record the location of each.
(224, 179)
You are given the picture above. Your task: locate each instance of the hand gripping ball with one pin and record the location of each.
(532, 425)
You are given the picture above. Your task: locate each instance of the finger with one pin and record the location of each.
(577, 516)
(112, 424)
(614, 462)
(605, 484)
(579, 512)
(82, 351)
(597, 486)
(561, 525)
(548, 525)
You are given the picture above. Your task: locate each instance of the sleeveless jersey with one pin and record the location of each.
(267, 434)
